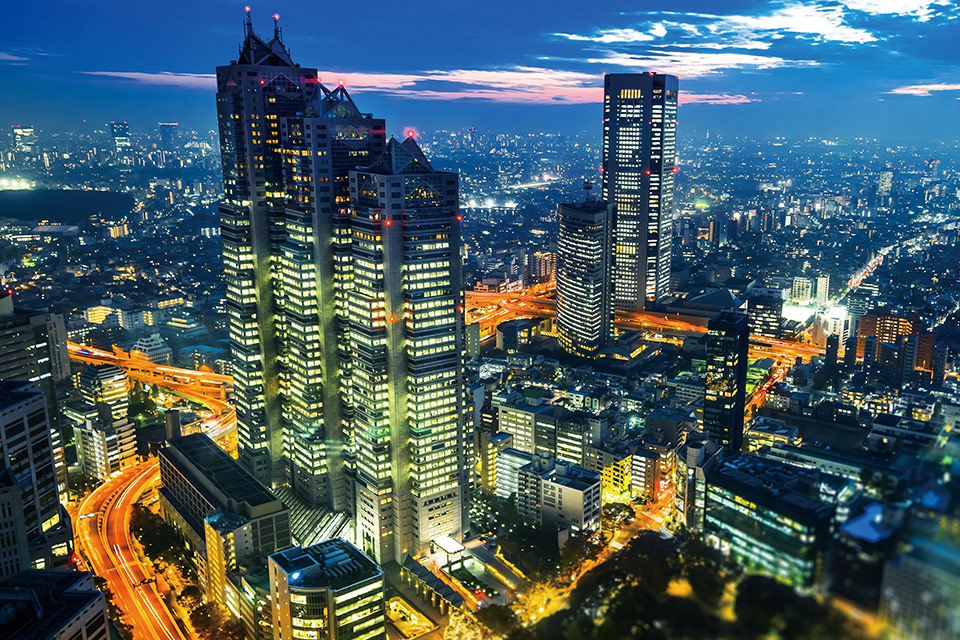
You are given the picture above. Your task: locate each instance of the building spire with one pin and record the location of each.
(277, 31)
(247, 23)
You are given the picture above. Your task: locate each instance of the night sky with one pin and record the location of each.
(878, 68)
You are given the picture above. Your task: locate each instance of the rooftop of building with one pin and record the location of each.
(222, 471)
(36, 604)
(782, 488)
(772, 426)
(332, 564)
(870, 526)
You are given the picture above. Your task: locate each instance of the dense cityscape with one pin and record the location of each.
(309, 374)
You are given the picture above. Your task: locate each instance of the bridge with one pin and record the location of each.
(203, 387)
(535, 302)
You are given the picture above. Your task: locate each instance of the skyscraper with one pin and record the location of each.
(27, 452)
(33, 346)
(120, 133)
(252, 93)
(405, 322)
(765, 312)
(287, 143)
(639, 162)
(584, 304)
(728, 339)
(169, 136)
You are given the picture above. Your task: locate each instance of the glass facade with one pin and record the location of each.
(639, 162)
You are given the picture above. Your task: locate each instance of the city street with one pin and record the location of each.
(105, 544)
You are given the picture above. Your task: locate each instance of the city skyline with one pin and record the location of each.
(336, 371)
(764, 68)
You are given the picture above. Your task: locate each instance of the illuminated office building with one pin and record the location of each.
(314, 279)
(330, 590)
(728, 340)
(765, 312)
(405, 313)
(584, 305)
(287, 143)
(769, 517)
(639, 162)
(27, 453)
(33, 347)
(120, 133)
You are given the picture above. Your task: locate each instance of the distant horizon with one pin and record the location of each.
(831, 68)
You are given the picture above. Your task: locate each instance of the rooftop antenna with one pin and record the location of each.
(587, 186)
(277, 32)
(247, 22)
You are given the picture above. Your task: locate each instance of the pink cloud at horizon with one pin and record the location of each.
(534, 85)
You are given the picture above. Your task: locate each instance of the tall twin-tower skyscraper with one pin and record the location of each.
(341, 257)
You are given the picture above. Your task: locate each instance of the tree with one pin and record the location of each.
(499, 619)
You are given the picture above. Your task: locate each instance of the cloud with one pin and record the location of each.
(611, 36)
(695, 64)
(163, 78)
(714, 98)
(922, 10)
(924, 89)
(806, 21)
(9, 57)
(519, 85)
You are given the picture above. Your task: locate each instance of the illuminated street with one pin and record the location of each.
(105, 544)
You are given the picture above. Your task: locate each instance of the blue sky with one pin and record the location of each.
(879, 68)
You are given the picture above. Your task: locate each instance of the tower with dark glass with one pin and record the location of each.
(584, 309)
(728, 341)
(639, 163)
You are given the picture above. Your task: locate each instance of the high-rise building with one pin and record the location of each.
(405, 325)
(106, 443)
(886, 327)
(728, 340)
(287, 144)
(26, 452)
(331, 587)
(33, 347)
(104, 384)
(765, 312)
(584, 303)
(253, 92)
(823, 290)
(762, 514)
(802, 290)
(639, 162)
(25, 140)
(169, 135)
(120, 133)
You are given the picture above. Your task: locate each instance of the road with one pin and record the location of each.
(545, 599)
(203, 387)
(489, 308)
(105, 545)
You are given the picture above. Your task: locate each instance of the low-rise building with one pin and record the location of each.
(198, 480)
(330, 590)
(559, 495)
(766, 432)
(52, 605)
(755, 512)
